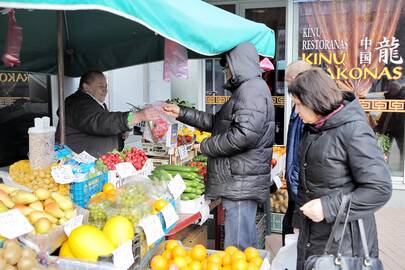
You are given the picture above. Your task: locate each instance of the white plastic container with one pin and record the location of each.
(41, 143)
(190, 206)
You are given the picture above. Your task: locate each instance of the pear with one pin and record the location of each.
(6, 200)
(7, 189)
(70, 213)
(36, 215)
(49, 200)
(37, 206)
(42, 225)
(62, 221)
(24, 209)
(24, 197)
(64, 202)
(54, 210)
(42, 194)
(3, 208)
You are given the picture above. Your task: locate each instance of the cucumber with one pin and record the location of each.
(178, 168)
(184, 175)
(200, 158)
(190, 183)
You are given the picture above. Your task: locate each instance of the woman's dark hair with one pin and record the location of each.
(89, 76)
(317, 91)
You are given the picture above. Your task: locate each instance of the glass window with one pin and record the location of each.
(361, 44)
(23, 97)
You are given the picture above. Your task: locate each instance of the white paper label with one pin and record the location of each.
(113, 178)
(170, 215)
(63, 174)
(205, 213)
(125, 169)
(183, 154)
(152, 228)
(265, 265)
(73, 224)
(13, 224)
(84, 157)
(176, 186)
(277, 181)
(123, 257)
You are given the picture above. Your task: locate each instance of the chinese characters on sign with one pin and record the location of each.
(333, 54)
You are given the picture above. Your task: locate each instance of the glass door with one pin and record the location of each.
(273, 14)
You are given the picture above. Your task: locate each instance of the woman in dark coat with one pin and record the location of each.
(338, 155)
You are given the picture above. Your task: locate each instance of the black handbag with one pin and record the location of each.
(329, 261)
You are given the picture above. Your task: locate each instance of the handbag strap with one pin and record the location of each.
(340, 215)
(363, 239)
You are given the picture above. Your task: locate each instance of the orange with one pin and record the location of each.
(204, 264)
(227, 260)
(188, 259)
(180, 262)
(231, 250)
(226, 267)
(215, 259)
(171, 244)
(158, 263)
(179, 251)
(195, 265)
(107, 188)
(240, 265)
(213, 266)
(167, 254)
(251, 253)
(257, 260)
(238, 255)
(160, 204)
(198, 253)
(253, 266)
(221, 253)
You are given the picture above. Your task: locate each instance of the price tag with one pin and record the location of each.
(63, 174)
(265, 265)
(176, 186)
(125, 169)
(205, 213)
(170, 215)
(73, 224)
(277, 181)
(152, 228)
(183, 154)
(123, 257)
(84, 157)
(113, 178)
(13, 224)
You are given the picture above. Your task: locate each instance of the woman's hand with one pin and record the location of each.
(313, 210)
(147, 114)
(172, 110)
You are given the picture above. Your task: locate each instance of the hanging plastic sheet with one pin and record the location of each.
(11, 54)
(175, 62)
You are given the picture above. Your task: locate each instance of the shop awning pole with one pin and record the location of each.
(61, 72)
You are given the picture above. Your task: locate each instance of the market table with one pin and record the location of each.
(187, 220)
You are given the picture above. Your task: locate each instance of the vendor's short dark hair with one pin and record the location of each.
(90, 76)
(317, 91)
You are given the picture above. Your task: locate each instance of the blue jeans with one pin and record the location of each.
(240, 223)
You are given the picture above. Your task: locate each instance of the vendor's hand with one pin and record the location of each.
(172, 110)
(313, 210)
(125, 135)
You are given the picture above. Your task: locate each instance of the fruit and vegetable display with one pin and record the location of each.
(201, 135)
(195, 186)
(185, 136)
(200, 162)
(175, 256)
(180, 102)
(15, 257)
(134, 155)
(43, 209)
(88, 242)
(23, 174)
(279, 201)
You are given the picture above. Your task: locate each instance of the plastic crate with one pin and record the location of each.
(276, 223)
(81, 192)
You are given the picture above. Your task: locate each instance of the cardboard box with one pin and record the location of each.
(193, 235)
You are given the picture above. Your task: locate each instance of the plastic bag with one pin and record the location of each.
(11, 54)
(286, 258)
(157, 130)
(175, 62)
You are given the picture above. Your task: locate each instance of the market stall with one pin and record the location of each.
(75, 211)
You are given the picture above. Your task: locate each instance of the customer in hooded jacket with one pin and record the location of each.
(338, 155)
(240, 148)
